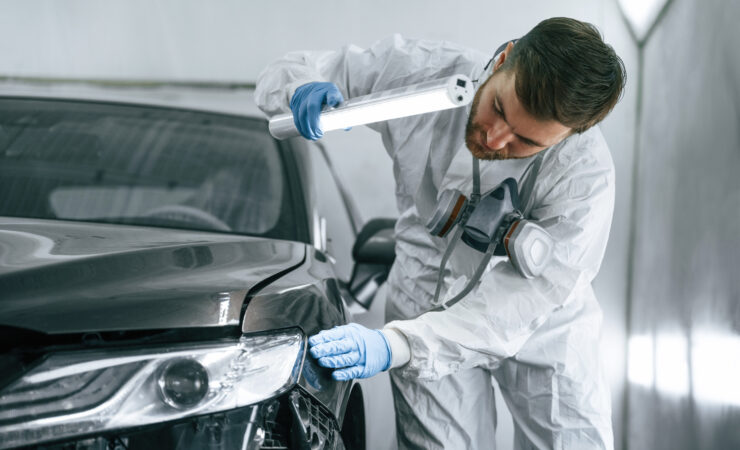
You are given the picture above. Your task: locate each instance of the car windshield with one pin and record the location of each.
(139, 165)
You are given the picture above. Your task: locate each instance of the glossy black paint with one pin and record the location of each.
(70, 277)
(314, 301)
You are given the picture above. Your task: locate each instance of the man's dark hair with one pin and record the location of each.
(565, 72)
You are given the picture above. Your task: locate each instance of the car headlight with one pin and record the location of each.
(76, 393)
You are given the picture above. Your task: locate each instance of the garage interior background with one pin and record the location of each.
(668, 286)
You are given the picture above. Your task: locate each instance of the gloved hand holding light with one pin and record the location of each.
(306, 105)
(313, 114)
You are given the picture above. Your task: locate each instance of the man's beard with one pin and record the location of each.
(474, 133)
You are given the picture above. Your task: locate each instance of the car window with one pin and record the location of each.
(143, 166)
(340, 235)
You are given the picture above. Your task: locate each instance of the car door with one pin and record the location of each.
(333, 208)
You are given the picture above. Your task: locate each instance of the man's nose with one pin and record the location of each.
(499, 135)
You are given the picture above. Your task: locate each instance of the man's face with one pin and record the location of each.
(500, 128)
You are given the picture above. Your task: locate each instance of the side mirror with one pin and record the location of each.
(374, 252)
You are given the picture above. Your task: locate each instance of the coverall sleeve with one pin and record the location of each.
(574, 202)
(389, 63)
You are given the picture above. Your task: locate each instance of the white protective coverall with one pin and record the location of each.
(539, 337)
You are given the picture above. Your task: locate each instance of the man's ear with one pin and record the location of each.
(503, 55)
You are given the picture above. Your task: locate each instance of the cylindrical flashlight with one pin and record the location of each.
(435, 95)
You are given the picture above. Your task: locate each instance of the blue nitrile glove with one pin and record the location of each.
(358, 351)
(306, 106)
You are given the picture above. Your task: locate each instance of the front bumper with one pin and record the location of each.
(294, 420)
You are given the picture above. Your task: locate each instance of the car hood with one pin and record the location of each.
(68, 277)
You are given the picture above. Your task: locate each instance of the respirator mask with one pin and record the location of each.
(492, 224)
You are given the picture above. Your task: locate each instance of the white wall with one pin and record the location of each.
(233, 40)
(685, 306)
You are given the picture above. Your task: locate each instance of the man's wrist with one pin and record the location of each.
(399, 346)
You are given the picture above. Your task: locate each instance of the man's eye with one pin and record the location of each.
(528, 144)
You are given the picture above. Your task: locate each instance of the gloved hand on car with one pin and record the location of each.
(357, 352)
(306, 105)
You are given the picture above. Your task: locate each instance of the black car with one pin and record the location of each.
(160, 270)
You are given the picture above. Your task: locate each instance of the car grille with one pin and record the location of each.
(315, 425)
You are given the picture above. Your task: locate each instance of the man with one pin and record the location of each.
(532, 119)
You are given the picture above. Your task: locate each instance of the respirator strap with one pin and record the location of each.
(474, 199)
(445, 257)
(475, 195)
(473, 281)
